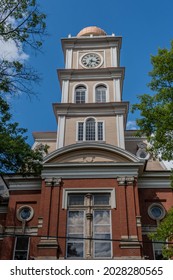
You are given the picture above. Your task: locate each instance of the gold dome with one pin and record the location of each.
(91, 30)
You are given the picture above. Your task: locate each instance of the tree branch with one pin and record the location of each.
(10, 13)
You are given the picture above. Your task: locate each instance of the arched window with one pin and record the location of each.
(90, 130)
(80, 94)
(100, 94)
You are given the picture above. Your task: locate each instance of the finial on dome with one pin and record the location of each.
(91, 30)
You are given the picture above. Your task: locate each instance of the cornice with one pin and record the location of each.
(91, 74)
(45, 135)
(155, 179)
(18, 182)
(91, 170)
(94, 109)
(91, 42)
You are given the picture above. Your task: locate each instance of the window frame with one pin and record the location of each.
(157, 249)
(75, 240)
(82, 139)
(106, 92)
(100, 94)
(151, 214)
(81, 91)
(19, 211)
(85, 86)
(91, 129)
(102, 241)
(67, 191)
(15, 244)
(94, 208)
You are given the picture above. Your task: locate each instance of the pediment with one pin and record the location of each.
(90, 153)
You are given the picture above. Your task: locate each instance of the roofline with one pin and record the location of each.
(81, 42)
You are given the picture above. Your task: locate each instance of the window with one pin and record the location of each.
(89, 226)
(75, 229)
(156, 211)
(101, 222)
(25, 213)
(100, 130)
(90, 130)
(80, 94)
(80, 131)
(21, 248)
(157, 250)
(100, 94)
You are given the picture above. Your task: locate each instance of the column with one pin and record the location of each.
(60, 132)
(117, 90)
(120, 131)
(89, 217)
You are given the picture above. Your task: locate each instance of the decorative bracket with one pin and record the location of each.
(125, 181)
(53, 182)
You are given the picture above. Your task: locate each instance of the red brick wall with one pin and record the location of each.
(47, 205)
(146, 198)
(149, 196)
(16, 200)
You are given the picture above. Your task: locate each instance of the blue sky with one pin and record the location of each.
(144, 26)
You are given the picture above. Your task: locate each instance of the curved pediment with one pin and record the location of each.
(90, 153)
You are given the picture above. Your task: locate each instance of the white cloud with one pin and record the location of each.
(9, 50)
(131, 125)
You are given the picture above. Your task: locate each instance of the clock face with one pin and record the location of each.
(91, 60)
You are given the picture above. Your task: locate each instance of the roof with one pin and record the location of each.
(91, 30)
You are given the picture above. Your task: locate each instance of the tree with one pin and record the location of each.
(15, 154)
(165, 232)
(156, 123)
(23, 25)
(156, 110)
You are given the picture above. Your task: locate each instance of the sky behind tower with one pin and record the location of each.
(144, 26)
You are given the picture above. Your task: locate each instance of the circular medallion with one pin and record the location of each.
(156, 211)
(25, 213)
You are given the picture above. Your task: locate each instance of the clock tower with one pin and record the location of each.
(98, 175)
(91, 108)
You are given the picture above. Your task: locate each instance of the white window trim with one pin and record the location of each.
(77, 130)
(74, 91)
(68, 191)
(102, 121)
(94, 91)
(84, 129)
(19, 211)
(157, 205)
